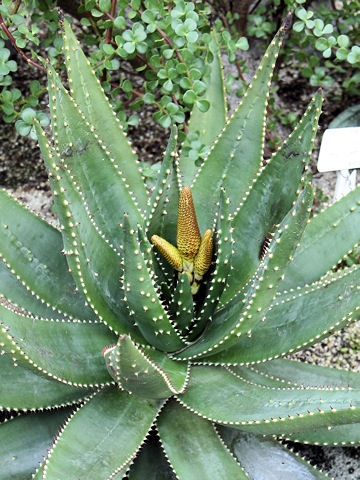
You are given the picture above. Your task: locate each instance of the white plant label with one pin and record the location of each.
(340, 149)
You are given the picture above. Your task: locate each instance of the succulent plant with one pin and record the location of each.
(170, 361)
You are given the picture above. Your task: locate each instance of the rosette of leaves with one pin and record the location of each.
(116, 363)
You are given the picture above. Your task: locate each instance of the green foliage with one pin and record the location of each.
(324, 42)
(25, 125)
(155, 380)
(323, 35)
(6, 65)
(148, 52)
(323, 45)
(350, 117)
(167, 49)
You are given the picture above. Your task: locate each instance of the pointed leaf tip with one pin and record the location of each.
(287, 22)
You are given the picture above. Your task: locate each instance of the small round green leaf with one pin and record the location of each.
(343, 41)
(203, 105)
(242, 43)
(298, 26)
(104, 5)
(120, 23)
(354, 55)
(189, 97)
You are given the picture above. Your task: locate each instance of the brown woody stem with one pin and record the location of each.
(109, 31)
(21, 53)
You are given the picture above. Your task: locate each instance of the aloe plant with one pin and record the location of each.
(148, 336)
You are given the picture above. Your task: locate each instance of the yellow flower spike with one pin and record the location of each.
(193, 255)
(188, 233)
(203, 258)
(168, 250)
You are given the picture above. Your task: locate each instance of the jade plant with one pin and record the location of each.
(148, 335)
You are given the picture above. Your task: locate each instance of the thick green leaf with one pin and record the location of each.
(278, 255)
(206, 124)
(151, 464)
(177, 372)
(193, 447)
(164, 273)
(290, 372)
(143, 296)
(251, 375)
(330, 435)
(15, 292)
(25, 440)
(38, 475)
(305, 374)
(94, 171)
(95, 265)
(266, 459)
(270, 197)
(161, 216)
(221, 396)
(182, 305)
(219, 274)
(239, 147)
(120, 474)
(350, 117)
(102, 437)
(290, 324)
(327, 238)
(225, 330)
(88, 94)
(69, 351)
(162, 211)
(33, 250)
(23, 389)
(137, 373)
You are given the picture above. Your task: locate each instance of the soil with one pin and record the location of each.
(21, 170)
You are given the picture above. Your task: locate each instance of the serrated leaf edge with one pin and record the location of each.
(290, 387)
(121, 128)
(277, 40)
(15, 348)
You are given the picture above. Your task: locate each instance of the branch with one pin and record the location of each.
(241, 76)
(21, 53)
(109, 32)
(16, 7)
(254, 7)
